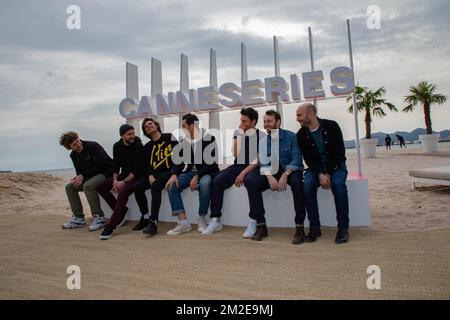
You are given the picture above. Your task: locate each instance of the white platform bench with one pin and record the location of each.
(436, 176)
(279, 206)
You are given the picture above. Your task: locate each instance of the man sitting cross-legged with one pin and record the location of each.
(127, 156)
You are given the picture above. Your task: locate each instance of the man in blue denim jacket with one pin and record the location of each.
(278, 168)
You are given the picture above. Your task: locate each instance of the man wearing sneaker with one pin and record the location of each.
(279, 166)
(127, 157)
(156, 172)
(199, 152)
(244, 162)
(322, 146)
(92, 166)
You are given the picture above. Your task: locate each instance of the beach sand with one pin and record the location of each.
(409, 241)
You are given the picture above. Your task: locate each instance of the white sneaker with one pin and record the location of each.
(214, 226)
(251, 229)
(98, 223)
(74, 223)
(179, 229)
(201, 226)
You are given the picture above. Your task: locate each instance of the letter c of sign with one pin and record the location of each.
(127, 108)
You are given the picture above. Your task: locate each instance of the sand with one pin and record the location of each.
(409, 241)
(394, 206)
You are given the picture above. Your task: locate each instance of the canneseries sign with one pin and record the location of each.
(312, 85)
(251, 93)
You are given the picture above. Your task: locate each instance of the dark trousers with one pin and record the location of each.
(339, 189)
(117, 205)
(223, 181)
(257, 183)
(157, 187)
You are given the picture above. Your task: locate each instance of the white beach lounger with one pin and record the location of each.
(437, 175)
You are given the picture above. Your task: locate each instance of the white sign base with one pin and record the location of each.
(279, 206)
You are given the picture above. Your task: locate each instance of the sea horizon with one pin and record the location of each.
(71, 170)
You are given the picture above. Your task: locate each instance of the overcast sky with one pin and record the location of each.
(54, 79)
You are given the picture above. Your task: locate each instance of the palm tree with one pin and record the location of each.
(370, 102)
(424, 93)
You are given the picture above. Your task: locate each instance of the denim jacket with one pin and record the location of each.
(288, 153)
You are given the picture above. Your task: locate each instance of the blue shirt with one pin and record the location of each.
(288, 153)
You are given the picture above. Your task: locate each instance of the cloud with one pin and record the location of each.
(53, 79)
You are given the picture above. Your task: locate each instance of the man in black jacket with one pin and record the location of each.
(92, 166)
(322, 147)
(127, 157)
(156, 169)
(199, 152)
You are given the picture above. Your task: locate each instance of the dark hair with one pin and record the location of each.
(158, 126)
(190, 118)
(251, 113)
(275, 114)
(67, 138)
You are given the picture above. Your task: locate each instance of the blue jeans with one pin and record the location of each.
(204, 191)
(339, 189)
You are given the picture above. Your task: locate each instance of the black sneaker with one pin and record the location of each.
(107, 232)
(313, 234)
(142, 224)
(151, 229)
(123, 218)
(341, 236)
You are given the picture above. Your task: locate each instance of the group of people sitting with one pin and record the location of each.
(166, 163)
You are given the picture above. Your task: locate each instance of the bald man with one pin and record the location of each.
(322, 147)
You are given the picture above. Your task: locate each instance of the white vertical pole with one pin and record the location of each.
(244, 74)
(276, 60)
(156, 85)
(132, 91)
(184, 74)
(212, 68)
(355, 109)
(184, 80)
(311, 56)
(213, 115)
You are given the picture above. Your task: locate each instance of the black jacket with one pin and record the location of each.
(158, 155)
(92, 160)
(127, 159)
(334, 147)
(203, 167)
